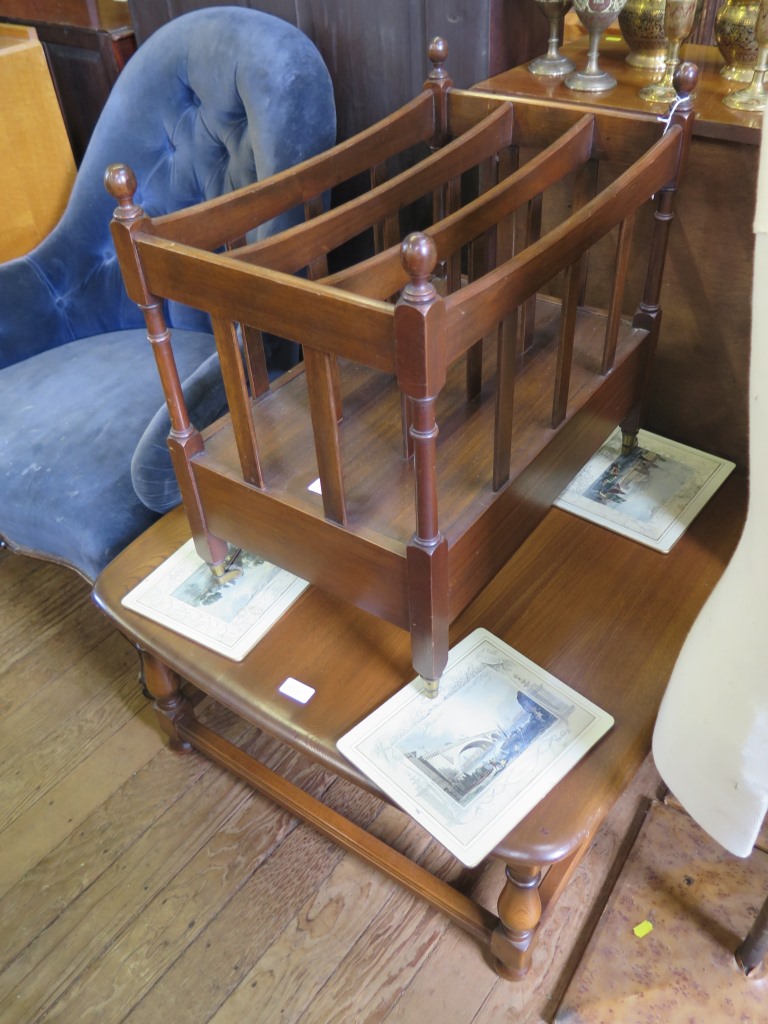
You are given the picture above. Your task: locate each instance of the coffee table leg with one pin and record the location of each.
(519, 909)
(164, 685)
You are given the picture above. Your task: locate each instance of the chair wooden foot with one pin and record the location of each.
(171, 705)
(519, 916)
(752, 952)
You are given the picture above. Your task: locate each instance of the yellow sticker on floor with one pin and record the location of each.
(642, 929)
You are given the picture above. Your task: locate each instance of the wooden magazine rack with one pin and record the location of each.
(482, 324)
(527, 225)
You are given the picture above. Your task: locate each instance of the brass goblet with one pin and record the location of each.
(678, 25)
(553, 62)
(735, 39)
(642, 25)
(754, 96)
(595, 16)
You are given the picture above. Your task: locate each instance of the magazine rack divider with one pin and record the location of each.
(498, 325)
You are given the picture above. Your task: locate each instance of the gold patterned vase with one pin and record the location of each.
(735, 38)
(642, 26)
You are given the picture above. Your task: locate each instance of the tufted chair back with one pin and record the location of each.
(210, 102)
(214, 100)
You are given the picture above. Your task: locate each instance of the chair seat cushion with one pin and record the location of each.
(63, 490)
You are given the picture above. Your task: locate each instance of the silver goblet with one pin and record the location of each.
(595, 16)
(553, 62)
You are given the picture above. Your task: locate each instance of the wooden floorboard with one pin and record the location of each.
(70, 720)
(42, 636)
(141, 885)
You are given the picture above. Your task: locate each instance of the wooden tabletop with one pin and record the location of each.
(713, 119)
(604, 614)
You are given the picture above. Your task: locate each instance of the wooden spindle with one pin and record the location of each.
(439, 82)
(184, 441)
(255, 360)
(506, 369)
(317, 268)
(648, 315)
(386, 233)
(253, 344)
(686, 76)
(236, 387)
(565, 343)
(482, 259)
(406, 420)
(528, 308)
(316, 271)
(419, 258)
(584, 190)
(453, 196)
(321, 373)
(420, 362)
(623, 251)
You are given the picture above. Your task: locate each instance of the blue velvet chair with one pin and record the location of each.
(212, 101)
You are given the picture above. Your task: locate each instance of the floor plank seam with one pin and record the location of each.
(131, 919)
(131, 708)
(600, 902)
(119, 852)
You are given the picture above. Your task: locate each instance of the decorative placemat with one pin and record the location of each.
(651, 494)
(229, 615)
(469, 764)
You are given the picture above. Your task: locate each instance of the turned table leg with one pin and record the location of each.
(519, 915)
(164, 686)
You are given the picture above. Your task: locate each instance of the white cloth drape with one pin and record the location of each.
(710, 743)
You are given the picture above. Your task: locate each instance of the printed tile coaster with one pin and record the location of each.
(662, 952)
(229, 616)
(469, 764)
(651, 494)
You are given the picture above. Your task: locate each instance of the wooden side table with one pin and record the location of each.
(701, 375)
(603, 613)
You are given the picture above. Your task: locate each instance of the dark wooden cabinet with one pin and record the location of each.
(86, 44)
(376, 52)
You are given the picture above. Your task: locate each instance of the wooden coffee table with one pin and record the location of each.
(603, 613)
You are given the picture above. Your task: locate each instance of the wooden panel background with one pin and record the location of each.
(376, 52)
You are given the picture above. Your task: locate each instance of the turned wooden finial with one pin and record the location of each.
(685, 79)
(418, 255)
(438, 54)
(120, 182)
